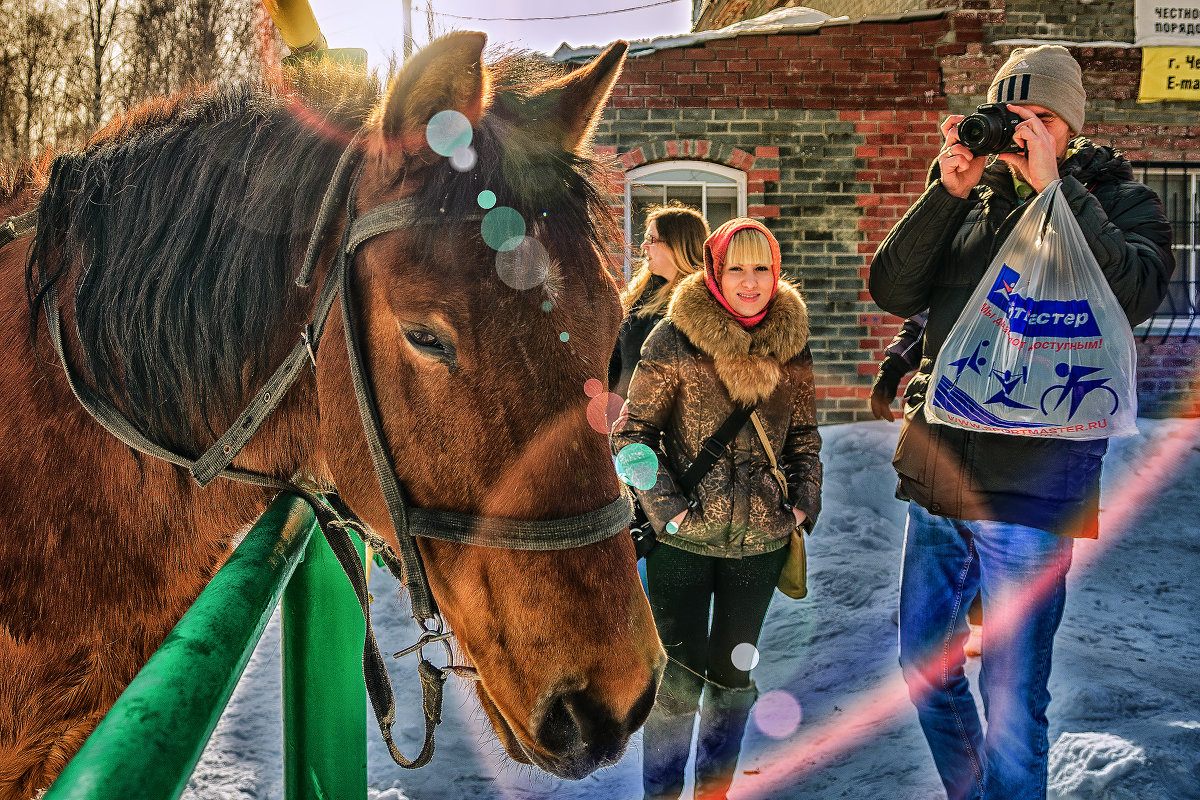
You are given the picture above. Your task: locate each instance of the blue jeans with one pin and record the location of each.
(1021, 572)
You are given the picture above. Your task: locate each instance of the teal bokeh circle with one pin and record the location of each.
(503, 228)
(447, 131)
(637, 465)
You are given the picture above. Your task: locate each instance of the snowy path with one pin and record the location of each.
(1125, 720)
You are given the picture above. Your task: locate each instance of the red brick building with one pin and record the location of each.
(824, 128)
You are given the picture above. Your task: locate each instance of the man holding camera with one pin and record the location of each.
(992, 512)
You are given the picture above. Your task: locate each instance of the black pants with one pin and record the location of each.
(680, 586)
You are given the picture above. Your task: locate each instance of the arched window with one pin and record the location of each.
(718, 192)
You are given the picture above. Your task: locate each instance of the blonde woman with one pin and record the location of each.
(672, 250)
(735, 334)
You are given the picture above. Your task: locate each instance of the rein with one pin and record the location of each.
(333, 516)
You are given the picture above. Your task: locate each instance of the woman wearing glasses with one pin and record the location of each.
(672, 250)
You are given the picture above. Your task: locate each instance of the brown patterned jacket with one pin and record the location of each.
(694, 365)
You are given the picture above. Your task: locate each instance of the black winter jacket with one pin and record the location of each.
(632, 334)
(934, 257)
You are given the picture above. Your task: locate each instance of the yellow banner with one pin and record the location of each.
(1170, 73)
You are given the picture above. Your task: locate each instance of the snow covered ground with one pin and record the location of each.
(835, 720)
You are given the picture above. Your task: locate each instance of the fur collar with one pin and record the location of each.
(748, 361)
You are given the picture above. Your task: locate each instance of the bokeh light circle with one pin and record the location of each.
(547, 305)
(524, 265)
(603, 411)
(564, 336)
(463, 158)
(744, 656)
(447, 131)
(671, 526)
(638, 466)
(592, 387)
(778, 714)
(503, 228)
(486, 199)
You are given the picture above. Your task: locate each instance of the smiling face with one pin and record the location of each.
(747, 280)
(747, 287)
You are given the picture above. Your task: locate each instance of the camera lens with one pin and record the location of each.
(975, 132)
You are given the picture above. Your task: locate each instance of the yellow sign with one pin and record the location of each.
(1170, 73)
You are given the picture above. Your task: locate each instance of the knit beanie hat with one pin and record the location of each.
(715, 247)
(1046, 76)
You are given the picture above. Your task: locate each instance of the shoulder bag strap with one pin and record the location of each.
(714, 447)
(775, 470)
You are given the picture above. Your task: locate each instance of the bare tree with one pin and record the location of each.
(101, 26)
(174, 43)
(66, 67)
(44, 44)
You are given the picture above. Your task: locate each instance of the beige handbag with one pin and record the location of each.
(793, 581)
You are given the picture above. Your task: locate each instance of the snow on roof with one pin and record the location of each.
(778, 21)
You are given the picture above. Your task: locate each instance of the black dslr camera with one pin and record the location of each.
(990, 130)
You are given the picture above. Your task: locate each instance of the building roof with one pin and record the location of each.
(781, 20)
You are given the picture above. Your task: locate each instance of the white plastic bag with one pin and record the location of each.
(1042, 348)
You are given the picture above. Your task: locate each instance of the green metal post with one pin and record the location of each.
(324, 697)
(149, 743)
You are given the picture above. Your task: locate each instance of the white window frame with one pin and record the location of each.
(644, 175)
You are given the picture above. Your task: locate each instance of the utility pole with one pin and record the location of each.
(408, 31)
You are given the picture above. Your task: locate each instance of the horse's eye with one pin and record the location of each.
(424, 340)
(431, 346)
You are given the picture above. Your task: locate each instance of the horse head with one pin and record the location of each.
(481, 323)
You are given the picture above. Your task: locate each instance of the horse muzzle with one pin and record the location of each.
(572, 732)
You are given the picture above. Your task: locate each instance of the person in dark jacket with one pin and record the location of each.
(734, 334)
(672, 250)
(988, 511)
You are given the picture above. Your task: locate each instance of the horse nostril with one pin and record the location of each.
(576, 724)
(641, 709)
(558, 732)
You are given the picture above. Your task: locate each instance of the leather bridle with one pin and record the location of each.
(334, 518)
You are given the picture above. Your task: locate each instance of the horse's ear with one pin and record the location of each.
(446, 75)
(577, 99)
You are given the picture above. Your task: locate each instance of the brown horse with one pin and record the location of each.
(174, 239)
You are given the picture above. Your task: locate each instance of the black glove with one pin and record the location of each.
(887, 380)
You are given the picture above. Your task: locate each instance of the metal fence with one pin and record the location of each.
(149, 743)
(1177, 183)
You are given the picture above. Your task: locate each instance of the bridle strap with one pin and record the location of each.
(330, 517)
(516, 534)
(16, 227)
(424, 607)
(117, 423)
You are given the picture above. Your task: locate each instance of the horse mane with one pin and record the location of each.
(19, 180)
(180, 229)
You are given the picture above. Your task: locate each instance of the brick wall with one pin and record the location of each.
(1167, 377)
(836, 127)
(1073, 20)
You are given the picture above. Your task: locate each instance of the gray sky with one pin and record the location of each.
(376, 24)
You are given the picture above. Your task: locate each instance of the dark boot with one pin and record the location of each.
(722, 724)
(667, 735)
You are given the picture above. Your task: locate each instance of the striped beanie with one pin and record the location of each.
(1046, 76)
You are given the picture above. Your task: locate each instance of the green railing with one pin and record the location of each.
(149, 743)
